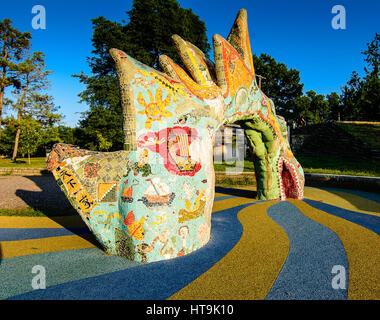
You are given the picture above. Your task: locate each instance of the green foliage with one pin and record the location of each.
(32, 104)
(108, 121)
(7, 136)
(153, 22)
(281, 84)
(351, 95)
(35, 162)
(335, 106)
(67, 134)
(31, 136)
(103, 144)
(328, 164)
(302, 113)
(371, 82)
(368, 133)
(360, 97)
(312, 163)
(36, 112)
(146, 36)
(359, 100)
(13, 45)
(319, 107)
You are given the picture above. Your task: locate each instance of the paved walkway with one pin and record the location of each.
(17, 192)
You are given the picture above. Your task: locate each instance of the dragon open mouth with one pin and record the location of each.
(289, 183)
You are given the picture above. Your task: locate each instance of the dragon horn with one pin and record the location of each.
(200, 68)
(239, 39)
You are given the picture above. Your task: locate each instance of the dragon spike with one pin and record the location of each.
(231, 70)
(168, 66)
(207, 91)
(239, 39)
(125, 71)
(194, 60)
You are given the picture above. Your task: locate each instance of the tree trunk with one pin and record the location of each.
(1, 105)
(14, 157)
(28, 157)
(17, 138)
(20, 107)
(4, 73)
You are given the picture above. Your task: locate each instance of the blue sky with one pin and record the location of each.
(296, 32)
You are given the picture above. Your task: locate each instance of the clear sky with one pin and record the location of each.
(296, 32)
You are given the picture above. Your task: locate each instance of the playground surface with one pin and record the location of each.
(325, 247)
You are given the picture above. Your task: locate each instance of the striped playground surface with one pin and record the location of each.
(259, 250)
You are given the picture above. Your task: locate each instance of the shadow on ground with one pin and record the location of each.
(359, 201)
(237, 192)
(52, 202)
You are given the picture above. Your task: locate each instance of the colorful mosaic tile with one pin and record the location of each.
(107, 192)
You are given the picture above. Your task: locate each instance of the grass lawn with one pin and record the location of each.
(366, 132)
(248, 166)
(43, 212)
(325, 164)
(336, 165)
(23, 163)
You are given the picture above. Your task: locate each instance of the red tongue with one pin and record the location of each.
(287, 180)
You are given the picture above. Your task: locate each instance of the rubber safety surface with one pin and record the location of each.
(323, 247)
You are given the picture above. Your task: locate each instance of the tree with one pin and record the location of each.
(334, 106)
(319, 107)
(7, 136)
(373, 56)
(281, 84)
(145, 37)
(350, 97)
(31, 136)
(302, 111)
(313, 108)
(360, 98)
(67, 134)
(31, 102)
(370, 102)
(13, 44)
(166, 18)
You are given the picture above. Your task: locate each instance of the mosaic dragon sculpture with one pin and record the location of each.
(153, 201)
